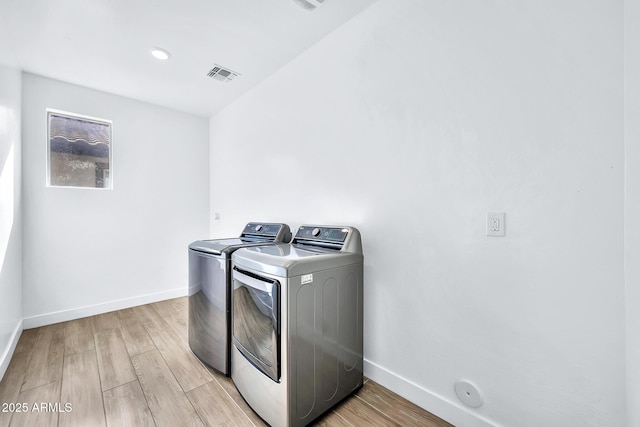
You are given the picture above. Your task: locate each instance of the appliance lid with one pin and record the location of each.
(216, 246)
(284, 260)
(254, 233)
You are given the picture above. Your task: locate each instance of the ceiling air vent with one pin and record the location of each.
(222, 74)
(310, 4)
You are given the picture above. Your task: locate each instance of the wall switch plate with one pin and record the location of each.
(495, 224)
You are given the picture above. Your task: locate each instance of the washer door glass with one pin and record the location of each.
(256, 320)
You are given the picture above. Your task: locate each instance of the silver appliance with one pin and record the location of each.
(297, 324)
(210, 294)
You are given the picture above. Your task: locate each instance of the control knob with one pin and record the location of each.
(258, 227)
(315, 232)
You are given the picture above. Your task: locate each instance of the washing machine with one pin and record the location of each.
(297, 324)
(209, 290)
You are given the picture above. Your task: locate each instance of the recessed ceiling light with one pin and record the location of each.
(160, 53)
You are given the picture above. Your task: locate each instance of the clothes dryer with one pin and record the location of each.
(209, 290)
(297, 324)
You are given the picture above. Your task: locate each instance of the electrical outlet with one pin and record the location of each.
(495, 224)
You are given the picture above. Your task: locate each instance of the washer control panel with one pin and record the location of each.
(266, 231)
(327, 234)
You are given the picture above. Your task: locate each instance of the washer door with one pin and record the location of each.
(256, 320)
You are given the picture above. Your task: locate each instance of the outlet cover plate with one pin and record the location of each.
(495, 224)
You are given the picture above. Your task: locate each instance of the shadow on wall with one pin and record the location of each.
(7, 160)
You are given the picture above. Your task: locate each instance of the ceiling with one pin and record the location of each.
(105, 44)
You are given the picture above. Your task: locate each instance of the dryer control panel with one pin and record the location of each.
(322, 233)
(345, 239)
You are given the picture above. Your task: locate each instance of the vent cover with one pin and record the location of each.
(222, 74)
(310, 4)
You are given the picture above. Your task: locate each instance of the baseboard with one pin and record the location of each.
(450, 411)
(8, 352)
(92, 310)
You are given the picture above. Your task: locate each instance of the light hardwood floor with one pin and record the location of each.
(133, 367)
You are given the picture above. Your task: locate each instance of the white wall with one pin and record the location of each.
(411, 122)
(10, 211)
(88, 251)
(632, 203)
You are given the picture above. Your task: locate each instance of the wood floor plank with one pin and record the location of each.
(180, 325)
(105, 321)
(186, 367)
(38, 415)
(81, 387)
(230, 388)
(45, 364)
(216, 407)
(168, 403)
(11, 383)
(126, 406)
(150, 318)
(332, 419)
(182, 304)
(27, 340)
(135, 336)
(78, 336)
(397, 408)
(175, 313)
(358, 412)
(113, 359)
(165, 308)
